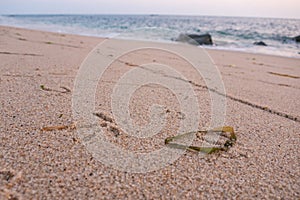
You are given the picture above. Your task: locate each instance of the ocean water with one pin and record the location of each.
(233, 33)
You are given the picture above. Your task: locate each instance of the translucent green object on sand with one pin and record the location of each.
(230, 140)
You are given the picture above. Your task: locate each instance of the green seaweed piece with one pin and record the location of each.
(229, 143)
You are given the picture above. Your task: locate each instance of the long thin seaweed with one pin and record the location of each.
(170, 141)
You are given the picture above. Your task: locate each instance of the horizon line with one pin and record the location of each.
(151, 14)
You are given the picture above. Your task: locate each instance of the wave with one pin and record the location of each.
(227, 32)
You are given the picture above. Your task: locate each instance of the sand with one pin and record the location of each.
(262, 105)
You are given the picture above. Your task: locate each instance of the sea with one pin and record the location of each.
(228, 33)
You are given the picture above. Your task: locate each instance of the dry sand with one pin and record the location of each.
(262, 105)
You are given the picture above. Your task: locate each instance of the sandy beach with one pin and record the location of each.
(262, 105)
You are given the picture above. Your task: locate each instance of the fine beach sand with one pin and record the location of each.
(262, 105)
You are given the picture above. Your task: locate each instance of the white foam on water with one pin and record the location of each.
(226, 37)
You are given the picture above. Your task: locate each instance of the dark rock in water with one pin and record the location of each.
(261, 43)
(297, 38)
(195, 39)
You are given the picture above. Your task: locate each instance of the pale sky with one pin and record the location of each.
(253, 8)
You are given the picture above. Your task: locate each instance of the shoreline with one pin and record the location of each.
(38, 70)
(214, 48)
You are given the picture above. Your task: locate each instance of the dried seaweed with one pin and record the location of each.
(22, 54)
(58, 44)
(284, 75)
(65, 89)
(230, 141)
(131, 64)
(71, 126)
(103, 117)
(115, 131)
(54, 128)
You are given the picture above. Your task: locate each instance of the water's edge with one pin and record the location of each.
(228, 33)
